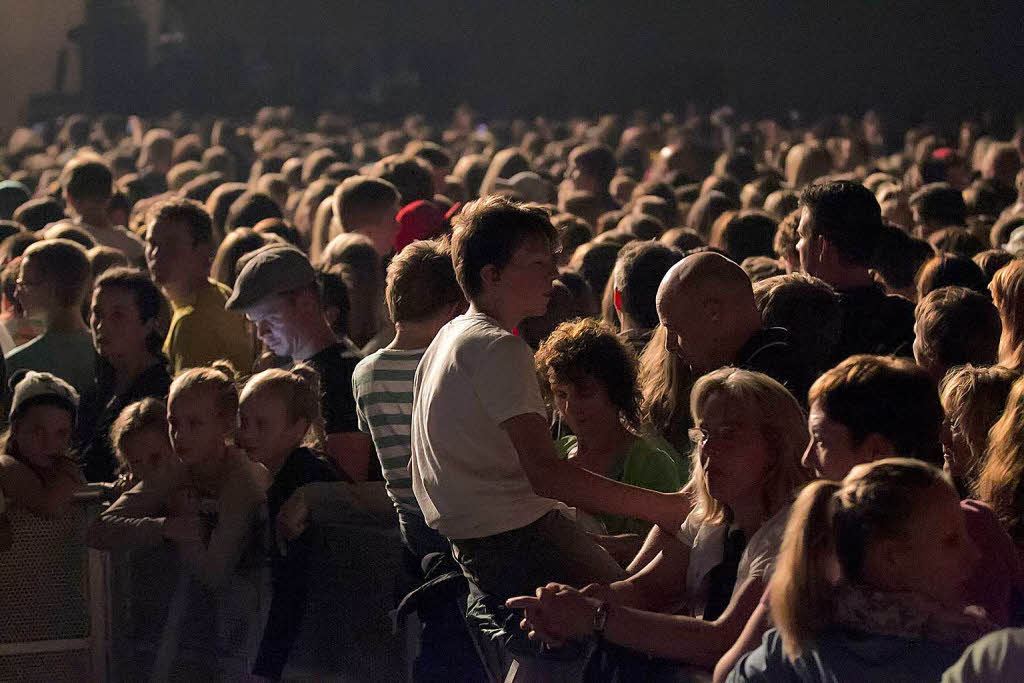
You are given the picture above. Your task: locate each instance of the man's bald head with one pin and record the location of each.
(706, 303)
(707, 274)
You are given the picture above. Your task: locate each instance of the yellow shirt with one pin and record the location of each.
(202, 331)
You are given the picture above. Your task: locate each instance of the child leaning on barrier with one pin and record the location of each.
(37, 472)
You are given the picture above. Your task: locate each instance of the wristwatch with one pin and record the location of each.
(601, 618)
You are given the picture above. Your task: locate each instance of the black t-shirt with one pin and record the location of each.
(335, 365)
(769, 352)
(875, 322)
(100, 408)
(291, 571)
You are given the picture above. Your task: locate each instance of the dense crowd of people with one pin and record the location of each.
(660, 397)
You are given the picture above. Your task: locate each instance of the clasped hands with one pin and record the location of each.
(559, 613)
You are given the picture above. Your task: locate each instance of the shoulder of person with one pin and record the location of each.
(363, 372)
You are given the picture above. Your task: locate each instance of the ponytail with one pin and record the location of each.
(801, 590)
(830, 530)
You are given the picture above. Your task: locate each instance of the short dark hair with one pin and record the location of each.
(488, 231)
(596, 160)
(150, 301)
(946, 270)
(883, 395)
(410, 175)
(87, 179)
(192, 214)
(847, 215)
(957, 326)
(900, 256)
(956, 241)
(639, 269)
(940, 203)
(249, 208)
(747, 233)
(66, 263)
(589, 348)
(421, 281)
(359, 194)
(808, 308)
(36, 214)
(992, 260)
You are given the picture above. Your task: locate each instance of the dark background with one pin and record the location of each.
(909, 60)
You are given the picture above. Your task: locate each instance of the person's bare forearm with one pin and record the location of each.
(684, 639)
(581, 488)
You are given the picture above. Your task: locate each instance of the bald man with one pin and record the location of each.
(706, 304)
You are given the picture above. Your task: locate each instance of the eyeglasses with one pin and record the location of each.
(700, 436)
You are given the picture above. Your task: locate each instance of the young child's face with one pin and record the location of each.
(43, 434)
(196, 428)
(34, 290)
(265, 431)
(147, 451)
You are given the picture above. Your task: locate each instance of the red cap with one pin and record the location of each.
(419, 220)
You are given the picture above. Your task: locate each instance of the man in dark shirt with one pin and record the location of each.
(706, 304)
(839, 231)
(277, 290)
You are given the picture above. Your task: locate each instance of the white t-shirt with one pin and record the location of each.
(465, 471)
(707, 547)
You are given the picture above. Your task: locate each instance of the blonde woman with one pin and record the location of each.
(972, 398)
(749, 435)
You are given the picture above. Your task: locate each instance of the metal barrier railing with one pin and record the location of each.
(54, 599)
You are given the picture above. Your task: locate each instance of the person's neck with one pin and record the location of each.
(415, 335)
(179, 291)
(65, 320)
(626, 323)
(315, 340)
(599, 449)
(96, 219)
(127, 370)
(489, 306)
(850, 278)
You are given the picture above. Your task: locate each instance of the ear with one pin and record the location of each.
(618, 300)
(490, 275)
(713, 309)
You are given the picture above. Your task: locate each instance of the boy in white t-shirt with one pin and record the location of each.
(484, 467)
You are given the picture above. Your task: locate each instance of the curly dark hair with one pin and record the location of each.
(586, 348)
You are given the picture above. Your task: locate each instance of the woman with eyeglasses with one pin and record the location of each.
(689, 593)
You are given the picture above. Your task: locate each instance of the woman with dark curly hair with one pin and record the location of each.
(590, 377)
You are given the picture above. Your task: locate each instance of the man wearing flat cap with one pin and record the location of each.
(278, 291)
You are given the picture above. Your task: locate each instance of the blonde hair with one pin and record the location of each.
(1001, 482)
(782, 423)
(147, 414)
(299, 390)
(1008, 295)
(219, 379)
(665, 380)
(837, 521)
(973, 399)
